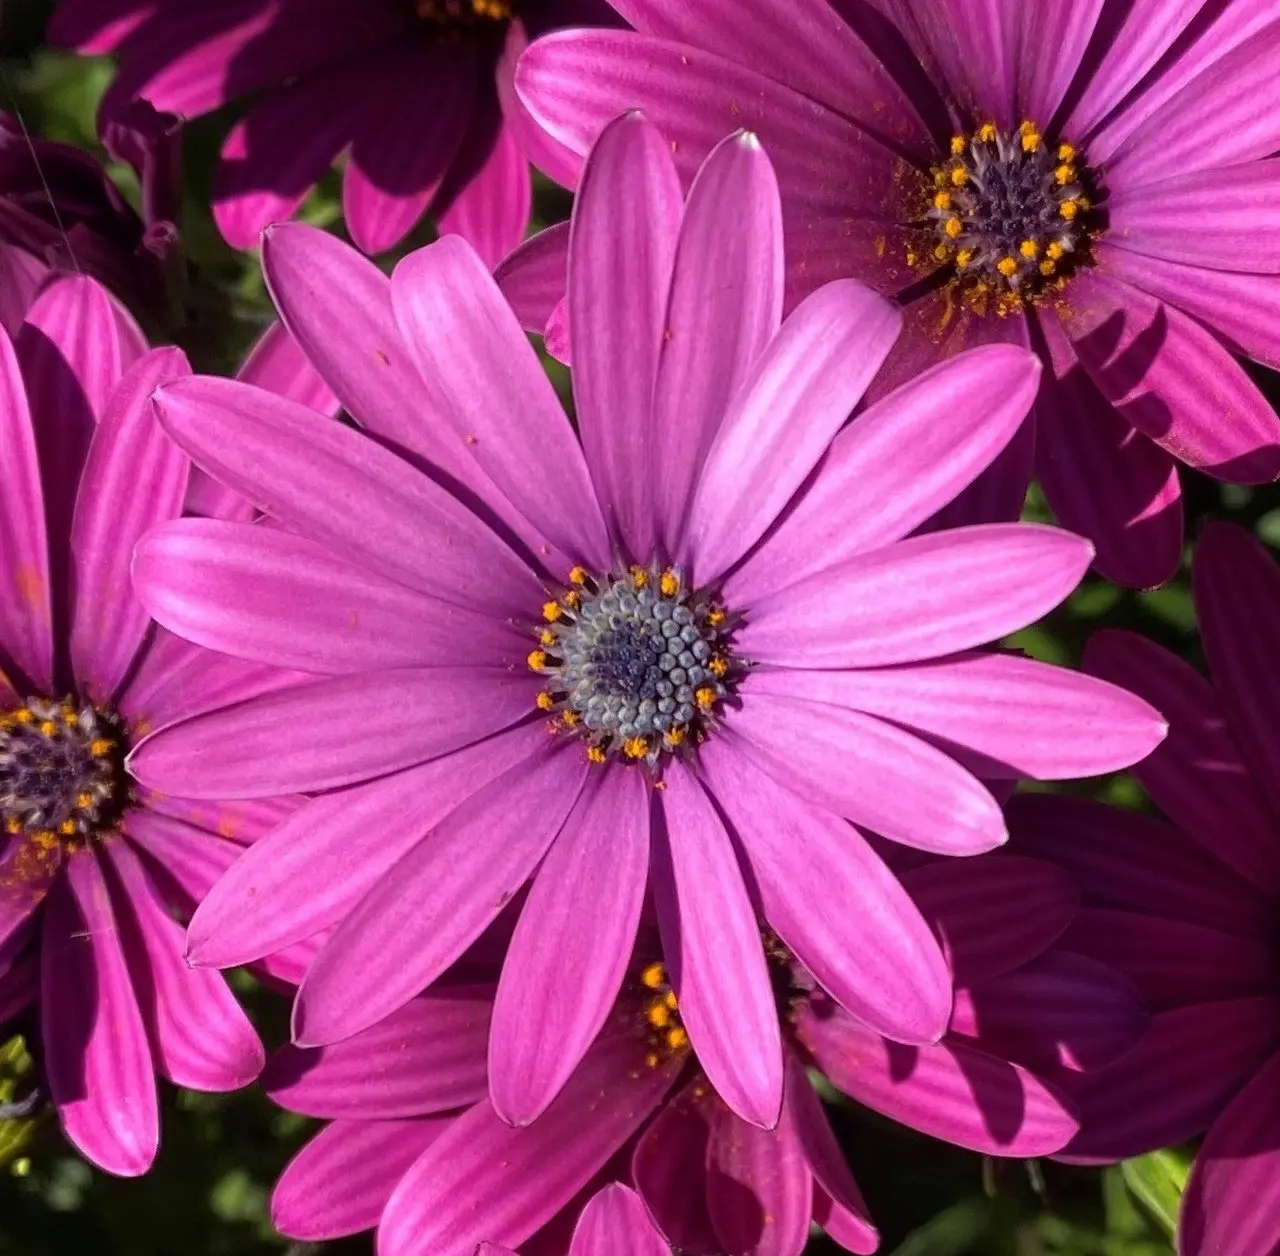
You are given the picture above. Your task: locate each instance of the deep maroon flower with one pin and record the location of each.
(398, 1155)
(417, 93)
(60, 212)
(92, 868)
(585, 660)
(1087, 177)
(1189, 908)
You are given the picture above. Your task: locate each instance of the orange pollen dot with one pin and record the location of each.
(23, 716)
(573, 600)
(1007, 266)
(639, 577)
(1029, 249)
(659, 1015)
(675, 736)
(718, 666)
(959, 177)
(715, 617)
(67, 828)
(705, 697)
(987, 132)
(48, 728)
(1066, 152)
(1069, 209)
(1055, 251)
(551, 611)
(537, 660)
(1064, 173)
(1047, 267)
(578, 575)
(545, 701)
(942, 200)
(953, 227)
(100, 746)
(635, 747)
(570, 719)
(958, 145)
(596, 755)
(669, 583)
(653, 975)
(964, 257)
(677, 1038)
(547, 637)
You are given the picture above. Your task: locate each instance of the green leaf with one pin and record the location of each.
(1157, 1180)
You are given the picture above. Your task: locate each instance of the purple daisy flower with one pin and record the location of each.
(416, 93)
(1092, 178)
(1188, 908)
(399, 1155)
(576, 659)
(94, 868)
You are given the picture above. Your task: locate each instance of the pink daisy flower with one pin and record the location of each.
(94, 868)
(1188, 907)
(416, 93)
(1092, 180)
(399, 1154)
(577, 658)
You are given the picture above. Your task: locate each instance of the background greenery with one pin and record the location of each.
(208, 1193)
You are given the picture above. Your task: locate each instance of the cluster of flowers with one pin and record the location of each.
(598, 782)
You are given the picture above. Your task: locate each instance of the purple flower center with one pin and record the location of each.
(1013, 214)
(61, 770)
(455, 13)
(635, 662)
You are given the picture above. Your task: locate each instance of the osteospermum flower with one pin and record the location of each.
(1188, 908)
(1092, 180)
(569, 658)
(399, 1154)
(416, 93)
(91, 867)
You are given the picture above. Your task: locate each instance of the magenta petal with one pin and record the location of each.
(428, 1056)
(533, 276)
(437, 899)
(277, 363)
(314, 867)
(492, 209)
(797, 395)
(484, 377)
(485, 1180)
(727, 275)
(759, 1188)
(270, 596)
(919, 599)
(199, 1034)
(97, 1058)
(615, 1221)
(835, 904)
(907, 455)
(581, 917)
(134, 477)
(869, 771)
(1197, 777)
(288, 741)
(1231, 1207)
(27, 872)
(25, 615)
(622, 240)
(951, 1091)
(993, 915)
(721, 977)
(669, 1167)
(345, 491)
(340, 1181)
(190, 859)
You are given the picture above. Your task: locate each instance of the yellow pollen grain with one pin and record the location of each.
(23, 716)
(551, 611)
(537, 660)
(545, 701)
(677, 1039)
(718, 666)
(1065, 173)
(13, 825)
(670, 999)
(964, 257)
(1029, 249)
(659, 1015)
(958, 145)
(941, 252)
(1047, 267)
(953, 227)
(942, 200)
(669, 584)
(651, 1059)
(596, 755)
(705, 697)
(84, 801)
(652, 975)
(959, 176)
(547, 637)
(48, 728)
(635, 747)
(1007, 266)
(570, 719)
(639, 577)
(1030, 141)
(572, 600)
(67, 828)
(578, 575)
(100, 746)
(1055, 251)
(987, 132)
(715, 617)
(675, 737)
(1066, 152)
(1069, 209)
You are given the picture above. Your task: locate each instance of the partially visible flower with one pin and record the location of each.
(613, 1221)
(59, 212)
(1189, 908)
(570, 659)
(433, 1180)
(416, 93)
(1097, 181)
(92, 867)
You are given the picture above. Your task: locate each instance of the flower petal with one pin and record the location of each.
(485, 379)
(615, 1221)
(868, 771)
(97, 1058)
(835, 904)
(534, 275)
(580, 917)
(719, 970)
(437, 899)
(669, 1167)
(290, 741)
(921, 598)
(786, 412)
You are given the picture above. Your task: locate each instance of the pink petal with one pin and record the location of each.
(428, 1056)
(785, 414)
(921, 598)
(189, 859)
(950, 1091)
(580, 917)
(288, 740)
(277, 363)
(340, 1181)
(484, 377)
(993, 915)
(904, 457)
(97, 1058)
(615, 1221)
(27, 872)
(622, 242)
(313, 868)
(199, 1035)
(437, 899)
(534, 275)
(669, 1167)
(721, 978)
(727, 275)
(834, 903)
(485, 1180)
(868, 771)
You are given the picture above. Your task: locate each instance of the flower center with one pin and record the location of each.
(1013, 215)
(61, 770)
(455, 13)
(664, 1030)
(635, 662)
